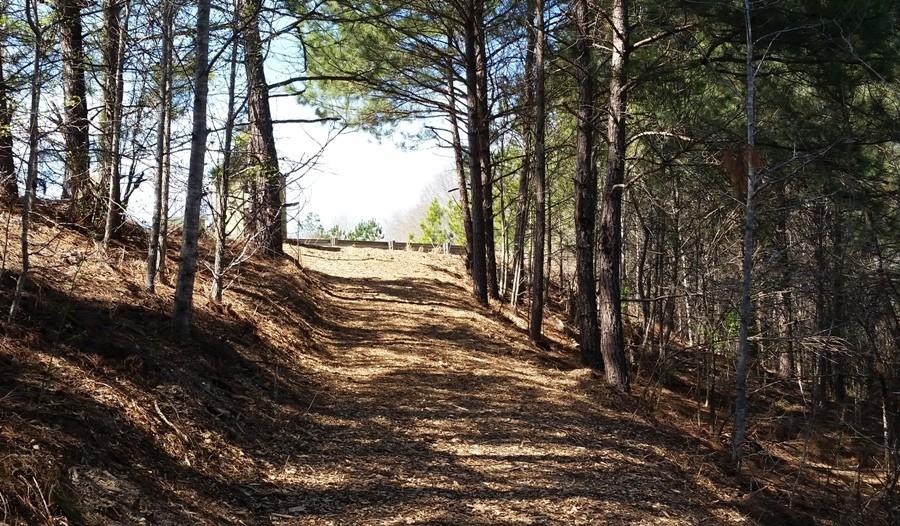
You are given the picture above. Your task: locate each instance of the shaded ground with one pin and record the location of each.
(350, 387)
(447, 416)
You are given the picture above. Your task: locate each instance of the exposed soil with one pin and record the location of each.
(333, 387)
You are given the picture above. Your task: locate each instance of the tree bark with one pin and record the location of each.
(161, 267)
(548, 198)
(109, 51)
(518, 262)
(612, 344)
(161, 132)
(187, 268)
(484, 145)
(76, 120)
(784, 303)
(479, 270)
(503, 270)
(585, 194)
(271, 212)
(459, 158)
(740, 401)
(536, 319)
(32, 15)
(838, 297)
(118, 30)
(223, 183)
(9, 188)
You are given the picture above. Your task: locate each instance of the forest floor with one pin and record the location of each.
(455, 418)
(332, 387)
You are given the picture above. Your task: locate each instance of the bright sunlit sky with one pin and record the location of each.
(358, 176)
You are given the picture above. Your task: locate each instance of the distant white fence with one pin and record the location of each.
(445, 248)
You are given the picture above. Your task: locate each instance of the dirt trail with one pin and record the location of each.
(441, 413)
(360, 387)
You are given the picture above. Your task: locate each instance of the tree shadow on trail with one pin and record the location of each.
(432, 418)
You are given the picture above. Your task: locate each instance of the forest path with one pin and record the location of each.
(440, 412)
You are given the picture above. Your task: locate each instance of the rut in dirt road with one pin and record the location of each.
(447, 415)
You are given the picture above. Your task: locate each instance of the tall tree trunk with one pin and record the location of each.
(585, 194)
(536, 319)
(784, 303)
(32, 16)
(459, 158)
(503, 269)
(838, 298)
(112, 10)
(262, 137)
(223, 183)
(114, 212)
(161, 268)
(153, 252)
(109, 51)
(479, 270)
(612, 344)
(740, 401)
(9, 189)
(821, 304)
(76, 122)
(518, 262)
(548, 197)
(187, 268)
(484, 146)
(687, 321)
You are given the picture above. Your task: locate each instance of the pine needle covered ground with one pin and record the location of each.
(349, 387)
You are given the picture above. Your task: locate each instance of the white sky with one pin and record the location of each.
(358, 177)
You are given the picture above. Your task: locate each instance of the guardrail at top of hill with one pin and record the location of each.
(444, 248)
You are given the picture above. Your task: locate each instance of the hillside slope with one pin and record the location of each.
(350, 387)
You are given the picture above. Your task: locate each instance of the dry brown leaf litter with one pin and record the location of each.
(364, 388)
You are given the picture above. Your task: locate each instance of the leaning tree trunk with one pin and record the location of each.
(740, 400)
(33, 143)
(612, 344)
(187, 268)
(115, 213)
(536, 319)
(153, 252)
(484, 146)
(479, 270)
(9, 189)
(270, 214)
(585, 195)
(518, 262)
(76, 121)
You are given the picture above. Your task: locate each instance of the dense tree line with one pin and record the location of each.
(94, 104)
(722, 174)
(719, 178)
